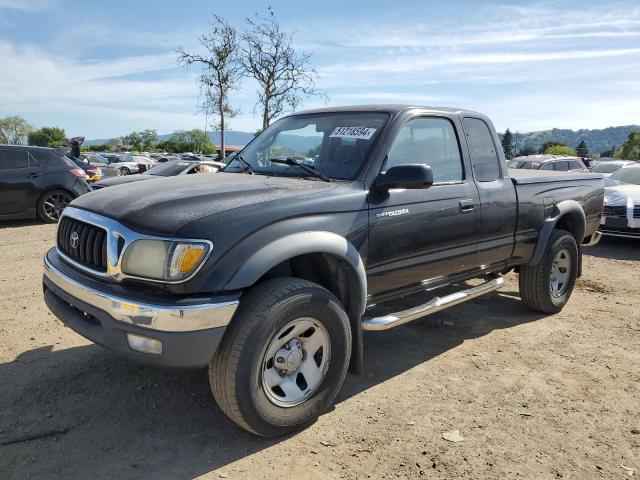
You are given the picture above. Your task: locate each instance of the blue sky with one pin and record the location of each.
(102, 69)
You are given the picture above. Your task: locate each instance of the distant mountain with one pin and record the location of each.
(231, 137)
(597, 141)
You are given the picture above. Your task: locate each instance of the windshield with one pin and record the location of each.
(627, 175)
(337, 145)
(168, 169)
(605, 167)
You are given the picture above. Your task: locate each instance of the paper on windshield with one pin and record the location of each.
(359, 133)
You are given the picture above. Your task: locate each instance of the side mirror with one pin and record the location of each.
(405, 176)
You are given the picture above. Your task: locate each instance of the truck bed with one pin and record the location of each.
(520, 176)
(538, 191)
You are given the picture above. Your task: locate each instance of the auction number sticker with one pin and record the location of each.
(360, 133)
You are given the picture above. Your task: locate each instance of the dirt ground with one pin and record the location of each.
(533, 396)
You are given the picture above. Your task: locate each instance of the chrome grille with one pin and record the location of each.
(610, 211)
(83, 242)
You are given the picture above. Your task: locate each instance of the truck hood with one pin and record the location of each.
(164, 206)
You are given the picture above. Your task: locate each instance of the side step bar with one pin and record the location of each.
(594, 240)
(432, 306)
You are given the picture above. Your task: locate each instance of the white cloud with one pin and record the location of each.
(533, 66)
(36, 82)
(26, 5)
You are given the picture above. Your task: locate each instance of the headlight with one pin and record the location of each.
(163, 259)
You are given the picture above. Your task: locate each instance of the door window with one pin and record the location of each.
(482, 149)
(547, 166)
(561, 166)
(13, 159)
(431, 141)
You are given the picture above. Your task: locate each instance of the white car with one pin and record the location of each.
(621, 210)
(144, 162)
(607, 168)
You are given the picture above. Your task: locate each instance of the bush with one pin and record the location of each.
(560, 150)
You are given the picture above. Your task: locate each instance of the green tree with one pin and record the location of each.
(527, 150)
(549, 144)
(95, 148)
(560, 150)
(630, 149)
(507, 144)
(134, 140)
(14, 130)
(609, 153)
(149, 139)
(195, 141)
(47, 137)
(141, 141)
(582, 150)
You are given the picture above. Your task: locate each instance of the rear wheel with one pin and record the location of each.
(547, 286)
(124, 171)
(284, 357)
(51, 204)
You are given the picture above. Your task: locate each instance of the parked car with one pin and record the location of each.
(621, 210)
(144, 162)
(167, 158)
(608, 167)
(121, 162)
(269, 271)
(558, 163)
(168, 169)
(37, 181)
(107, 169)
(93, 172)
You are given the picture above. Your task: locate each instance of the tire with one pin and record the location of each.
(51, 204)
(545, 288)
(239, 372)
(124, 171)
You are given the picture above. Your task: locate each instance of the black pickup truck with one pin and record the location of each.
(269, 271)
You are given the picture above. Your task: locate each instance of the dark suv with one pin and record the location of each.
(37, 181)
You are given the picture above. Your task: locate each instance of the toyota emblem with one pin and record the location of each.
(74, 239)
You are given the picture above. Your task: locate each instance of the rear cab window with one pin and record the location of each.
(484, 155)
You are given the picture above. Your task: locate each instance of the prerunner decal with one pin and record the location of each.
(360, 133)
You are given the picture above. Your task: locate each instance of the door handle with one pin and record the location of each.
(35, 175)
(466, 205)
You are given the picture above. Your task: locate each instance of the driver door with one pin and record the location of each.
(421, 237)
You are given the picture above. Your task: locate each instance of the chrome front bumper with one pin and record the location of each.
(166, 318)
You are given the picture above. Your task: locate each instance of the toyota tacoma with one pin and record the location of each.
(269, 272)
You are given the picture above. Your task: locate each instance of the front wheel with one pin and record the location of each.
(51, 204)
(283, 358)
(546, 287)
(124, 171)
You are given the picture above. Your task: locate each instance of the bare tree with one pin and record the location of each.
(14, 130)
(221, 71)
(283, 75)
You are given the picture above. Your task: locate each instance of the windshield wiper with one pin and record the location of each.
(246, 164)
(293, 162)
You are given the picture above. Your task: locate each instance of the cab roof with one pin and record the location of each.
(393, 108)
